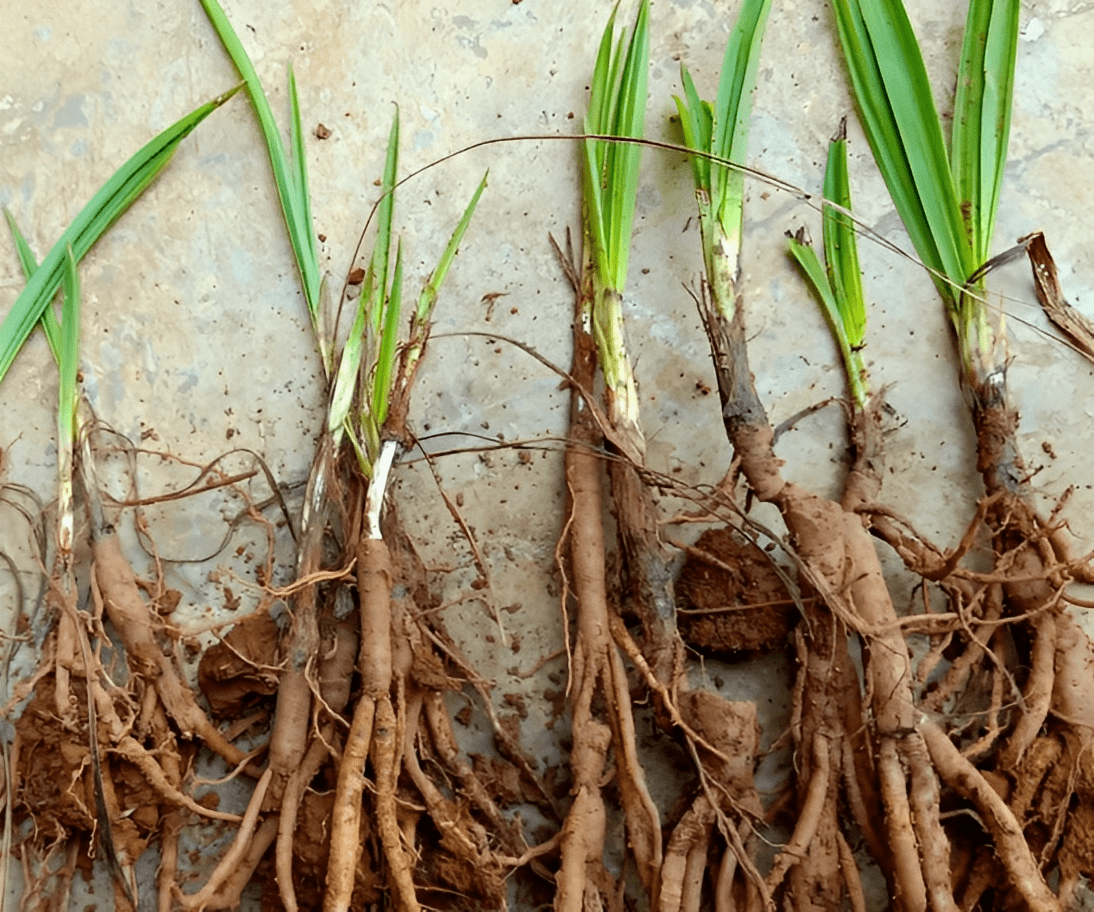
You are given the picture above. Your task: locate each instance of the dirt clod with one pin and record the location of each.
(722, 577)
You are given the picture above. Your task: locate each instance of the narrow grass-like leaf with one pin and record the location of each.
(622, 159)
(310, 272)
(69, 360)
(801, 249)
(597, 120)
(367, 377)
(105, 207)
(722, 131)
(29, 264)
(841, 244)
(346, 378)
(854, 368)
(384, 217)
(902, 126)
(428, 298)
(617, 107)
(290, 176)
(600, 89)
(733, 107)
(697, 122)
(389, 342)
(982, 108)
(839, 286)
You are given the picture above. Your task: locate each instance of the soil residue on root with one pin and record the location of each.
(730, 599)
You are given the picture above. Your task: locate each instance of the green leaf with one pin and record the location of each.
(428, 298)
(380, 393)
(623, 159)
(29, 264)
(697, 122)
(617, 107)
(982, 108)
(733, 107)
(291, 176)
(382, 251)
(69, 360)
(902, 126)
(346, 379)
(105, 207)
(721, 131)
(839, 287)
(841, 245)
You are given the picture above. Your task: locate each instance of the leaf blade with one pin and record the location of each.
(101, 211)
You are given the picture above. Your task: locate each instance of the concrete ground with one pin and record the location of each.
(196, 341)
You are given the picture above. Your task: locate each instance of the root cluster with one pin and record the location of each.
(965, 778)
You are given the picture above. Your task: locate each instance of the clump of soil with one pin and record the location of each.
(240, 669)
(730, 600)
(54, 785)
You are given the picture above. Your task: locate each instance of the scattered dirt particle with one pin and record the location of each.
(356, 276)
(321, 131)
(516, 701)
(210, 800)
(557, 699)
(464, 716)
(168, 602)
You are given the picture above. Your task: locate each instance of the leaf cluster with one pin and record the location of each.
(617, 107)
(947, 199)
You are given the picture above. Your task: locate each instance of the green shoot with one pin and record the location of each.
(839, 286)
(384, 314)
(290, 169)
(370, 373)
(68, 363)
(617, 107)
(365, 339)
(981, 124)
(722, 131)
(380, 382)
(105, 207)
(947, 202)
(64, 339)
